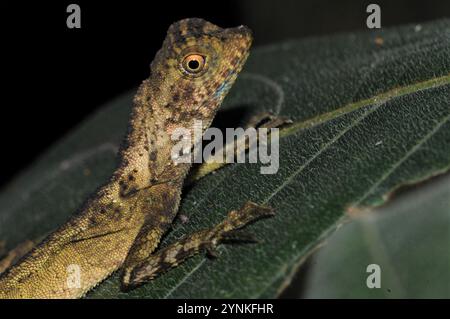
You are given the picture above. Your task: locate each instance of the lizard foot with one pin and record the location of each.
(229, 230)
(268, 120)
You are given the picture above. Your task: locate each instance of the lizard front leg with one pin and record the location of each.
(261, 120)
(160, 203)
(204, 240)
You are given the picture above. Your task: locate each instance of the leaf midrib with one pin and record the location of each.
(376, 99)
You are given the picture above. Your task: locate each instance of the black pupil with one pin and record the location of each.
(193, 64)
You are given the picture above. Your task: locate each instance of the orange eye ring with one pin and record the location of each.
(194, 63)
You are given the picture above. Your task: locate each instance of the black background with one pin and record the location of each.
(283, 308)
(53, 77)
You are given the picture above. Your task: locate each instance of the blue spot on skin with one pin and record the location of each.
(224, 87)
(221, 90)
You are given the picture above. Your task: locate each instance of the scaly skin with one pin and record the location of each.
(121, 225)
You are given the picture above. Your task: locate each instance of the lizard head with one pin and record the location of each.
(195, 68)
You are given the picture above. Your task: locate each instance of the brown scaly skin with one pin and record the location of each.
(121, 225)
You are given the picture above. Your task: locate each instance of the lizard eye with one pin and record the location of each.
(194, 63)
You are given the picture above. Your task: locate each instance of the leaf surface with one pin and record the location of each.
(367, 119)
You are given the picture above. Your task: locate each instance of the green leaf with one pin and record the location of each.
(408, 238)
(369, 116)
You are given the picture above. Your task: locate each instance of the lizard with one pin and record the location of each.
(120, 226)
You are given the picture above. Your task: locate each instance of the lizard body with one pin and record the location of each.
(121, 225)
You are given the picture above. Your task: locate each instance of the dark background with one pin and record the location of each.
(53, 77)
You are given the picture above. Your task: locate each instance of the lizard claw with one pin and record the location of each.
(211, 251)
(268, 120)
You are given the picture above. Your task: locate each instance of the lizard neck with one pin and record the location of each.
(145, 153)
